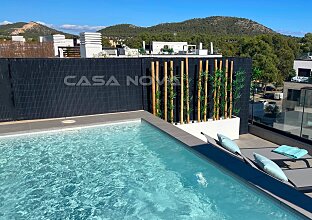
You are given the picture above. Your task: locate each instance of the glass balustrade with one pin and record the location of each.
(288, 109)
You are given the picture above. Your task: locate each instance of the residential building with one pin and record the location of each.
(296, 114)
(18, 39)
(90, 44)
(127, 51)
(58, 40)
(177, 48)
(303, 67)
(110, 52)
(159, 47)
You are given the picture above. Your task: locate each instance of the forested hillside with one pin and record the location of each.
(272, 53)
(216, 25)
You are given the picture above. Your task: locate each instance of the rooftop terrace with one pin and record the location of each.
(259, 180)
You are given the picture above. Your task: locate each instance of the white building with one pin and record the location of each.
(158, 47)
(58, 41)
(180, 48)
(127, 51)
(18, 39)
(202, 52)
(110, 52)
(303, 67)
(90, 44)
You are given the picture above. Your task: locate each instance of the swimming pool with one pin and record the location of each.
(120, 171)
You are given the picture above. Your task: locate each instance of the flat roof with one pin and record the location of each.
(303, 59)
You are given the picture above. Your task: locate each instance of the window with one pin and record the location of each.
(304, 72)
(293, 95)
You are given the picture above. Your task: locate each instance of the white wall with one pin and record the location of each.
(227, 127)
(90, 51)
(69, 42)
(18, 38)
(58, 41)
(202, 52)
(176, 46)
(132, 52)
(304, 64)
(90, 44)
(112, 52)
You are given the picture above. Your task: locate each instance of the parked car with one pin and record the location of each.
(272, 104)
(258, 89)
(278, 96)
(265, 102)
(300, 79)
(269, 88)
(268, 96)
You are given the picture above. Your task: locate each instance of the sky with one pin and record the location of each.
(284, 16)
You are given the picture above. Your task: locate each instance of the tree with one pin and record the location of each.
(307, 43)
(256, 74)
(142, 51)
(267, 66)
(291, 74)
(273, 54)
(105, 42)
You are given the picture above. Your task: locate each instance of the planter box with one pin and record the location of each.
(227, 127)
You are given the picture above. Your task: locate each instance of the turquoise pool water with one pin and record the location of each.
(121, 171)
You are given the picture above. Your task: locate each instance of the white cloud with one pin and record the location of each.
(5, 22)
(45, 24)
(81, 28)
(292, 33)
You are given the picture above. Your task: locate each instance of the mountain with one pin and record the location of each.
(28, 30)
(216, 25)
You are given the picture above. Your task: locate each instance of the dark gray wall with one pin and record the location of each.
(7, 110)
(39, 90)
(34, 88)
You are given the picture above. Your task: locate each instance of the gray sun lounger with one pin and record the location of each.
(267, 152)
(300, 179)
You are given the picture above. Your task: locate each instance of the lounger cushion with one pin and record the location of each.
(270, 167)
(228, 144)
(291, 152)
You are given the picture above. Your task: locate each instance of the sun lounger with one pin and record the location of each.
(301, 179)
(268, 152)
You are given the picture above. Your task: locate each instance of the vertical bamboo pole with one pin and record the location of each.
(219, 93)
(182, 92)
(187, 91)
(226, 89)
(199, 89)
(215, 90)
(231, 89)
(166, 90)
(153, 87)
(206, 91)
(171, 90)
(157, 87)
